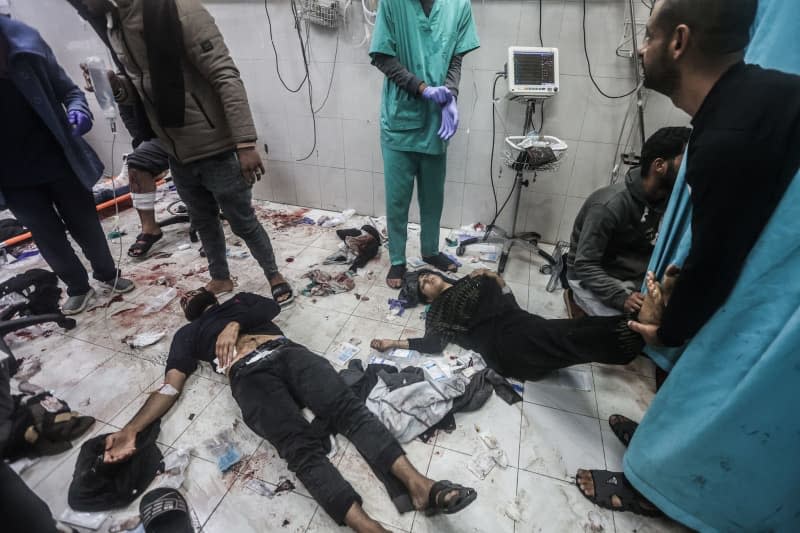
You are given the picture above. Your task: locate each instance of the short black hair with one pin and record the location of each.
(666, 143)
(720, 27)
(197, 302)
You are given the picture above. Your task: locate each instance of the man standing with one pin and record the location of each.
(724, 423)
(176, 60)
(615, 230)
(48, 170)
(419, 46)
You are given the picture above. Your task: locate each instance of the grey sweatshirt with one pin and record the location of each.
(613, 238)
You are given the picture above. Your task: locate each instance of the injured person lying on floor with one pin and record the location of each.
(479, 312)
(272, 379)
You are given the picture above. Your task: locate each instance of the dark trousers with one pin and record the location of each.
(528, 347)
(149, 156)
(22, 510)
(270, 394)
(215, 183)
(52, 209)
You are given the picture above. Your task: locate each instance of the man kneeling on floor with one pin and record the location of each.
(269, 375)
(615, 230)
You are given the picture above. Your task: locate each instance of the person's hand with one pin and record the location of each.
(649, 332)
(87, 79)
(226, 344)
(634, 302)
(381, 344)
(449, 120)
(115, 81)
(120, 446)
(81, 122)
(252, 167)
(440, 95)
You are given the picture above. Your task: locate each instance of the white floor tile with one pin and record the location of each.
(632, 523)
(485, 513)
(624, 393)
(556, 443)
(551, 392)
(314, 328)
(551, 505)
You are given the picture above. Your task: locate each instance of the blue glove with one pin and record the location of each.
(80, 121)
(449, 120)
(440, 95)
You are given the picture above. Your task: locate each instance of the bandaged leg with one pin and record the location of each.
(144, 201)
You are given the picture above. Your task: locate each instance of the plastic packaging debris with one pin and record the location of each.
(184, 246)
(259, 487)
(396, 309)
(492, 455)
(142, 340)
(125, 523)
(175, 464)
(376, 360)
(346, 352)
(514, 509)
(401, 353)
(224, 450)
(332, 222)
(454, 259)
(161, 301)
(238, 254)
(433, 371)
(594, 522)
(88, 520)
(489, 256)
(415, 262)
(28, 254)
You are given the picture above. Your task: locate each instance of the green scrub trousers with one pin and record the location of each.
(409, 124)
(400, 168)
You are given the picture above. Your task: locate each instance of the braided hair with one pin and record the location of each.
(451, 313)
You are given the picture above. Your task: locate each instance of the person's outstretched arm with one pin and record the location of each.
(122, 444)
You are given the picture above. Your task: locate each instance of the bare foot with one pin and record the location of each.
(668, 282)
(219, 286)
(653, 305)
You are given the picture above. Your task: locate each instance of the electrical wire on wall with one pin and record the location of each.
(305, 53)
(589, 64)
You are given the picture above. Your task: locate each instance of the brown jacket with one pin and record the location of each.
(217, 114)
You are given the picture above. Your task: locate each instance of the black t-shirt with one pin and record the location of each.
(744, 152)
(197, 340)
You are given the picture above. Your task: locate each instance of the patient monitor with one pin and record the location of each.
(532, 72)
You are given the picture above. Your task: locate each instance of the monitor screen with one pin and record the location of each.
(534, 68)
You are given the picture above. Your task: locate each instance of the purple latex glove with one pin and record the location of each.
(440, 95)
(80, 121)
(449, 120)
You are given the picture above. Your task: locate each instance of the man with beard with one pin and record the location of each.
(615, 230)
(717, 447)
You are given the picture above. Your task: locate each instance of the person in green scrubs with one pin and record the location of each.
(419, 46)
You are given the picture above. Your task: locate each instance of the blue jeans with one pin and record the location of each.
(213, 184)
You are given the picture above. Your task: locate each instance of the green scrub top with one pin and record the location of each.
(425, 46)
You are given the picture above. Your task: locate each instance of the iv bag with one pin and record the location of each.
(98, 72)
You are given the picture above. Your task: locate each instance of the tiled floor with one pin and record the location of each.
(556, 430)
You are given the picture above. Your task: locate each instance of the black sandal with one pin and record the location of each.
(165, 510)
(442, 262)
(144, 241)
(609, 484)
(282, 289)
(439, 503)
(623, 427)
(396, 272)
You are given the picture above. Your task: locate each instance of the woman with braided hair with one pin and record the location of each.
(479, 312)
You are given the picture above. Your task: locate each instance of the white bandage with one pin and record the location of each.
(144, 200)
(167, 390)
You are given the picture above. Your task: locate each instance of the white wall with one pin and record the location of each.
(346, 170)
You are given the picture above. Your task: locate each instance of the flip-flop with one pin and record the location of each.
(144, 242)
(623, 427)
(609, 484)
(442, 262)
(396, 272)
(281, 289)
(165, 510)
(439, 503)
